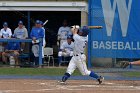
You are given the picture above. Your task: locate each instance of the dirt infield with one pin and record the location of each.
(73, 86)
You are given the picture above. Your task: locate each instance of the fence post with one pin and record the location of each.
(28, 22)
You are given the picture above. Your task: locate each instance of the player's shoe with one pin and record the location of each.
(100, 80)
(62, 83)
(124, 64)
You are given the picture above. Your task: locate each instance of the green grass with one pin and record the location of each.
(35, 71)
(131, 74)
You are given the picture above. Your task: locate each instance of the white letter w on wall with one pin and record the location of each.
(109, 14)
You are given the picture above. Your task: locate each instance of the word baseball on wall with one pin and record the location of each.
(120, 36)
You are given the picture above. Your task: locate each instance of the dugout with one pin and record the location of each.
(55, 21)
(55, 12)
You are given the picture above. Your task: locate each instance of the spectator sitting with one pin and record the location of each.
(66, 49)
(63, 32)
(12, 49)
(5, 32)
(21, 33)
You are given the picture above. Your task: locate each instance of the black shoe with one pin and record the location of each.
(100, 80)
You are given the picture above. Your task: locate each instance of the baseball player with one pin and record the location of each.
(66, 49)
(36, 33)
(63, 32)
(5, 32)
(79, 58)
(21, 33)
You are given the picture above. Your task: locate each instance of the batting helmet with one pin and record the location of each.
(84, 30)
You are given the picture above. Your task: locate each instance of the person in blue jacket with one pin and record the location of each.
(36, 33)
(12, 49)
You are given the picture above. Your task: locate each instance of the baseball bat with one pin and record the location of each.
(89, 27)
(95, 27)
(45, 22)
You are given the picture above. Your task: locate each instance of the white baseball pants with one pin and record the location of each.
(80, 63)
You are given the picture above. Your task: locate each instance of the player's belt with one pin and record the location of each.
(78, 54)
(36, 44)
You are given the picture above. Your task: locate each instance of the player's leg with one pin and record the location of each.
(81, 64)
(70, 70)
(59, 57)
(35, 50)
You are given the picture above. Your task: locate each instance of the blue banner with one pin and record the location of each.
(120, 36)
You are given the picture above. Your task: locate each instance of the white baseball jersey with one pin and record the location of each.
(79, 59)
(79, 44)
(63, 32)
(21, 33)
(6, 33)
(67, 47)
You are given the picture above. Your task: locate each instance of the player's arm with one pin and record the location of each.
(41, 34)
(32, 36)
(76, 37)
(15, 32)
(72, 46)
(10, 33)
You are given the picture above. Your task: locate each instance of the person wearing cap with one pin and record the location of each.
(63, 32)
(5, 31)
(21, 33)
(66, 49)
(36, 33)
(79, 58)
